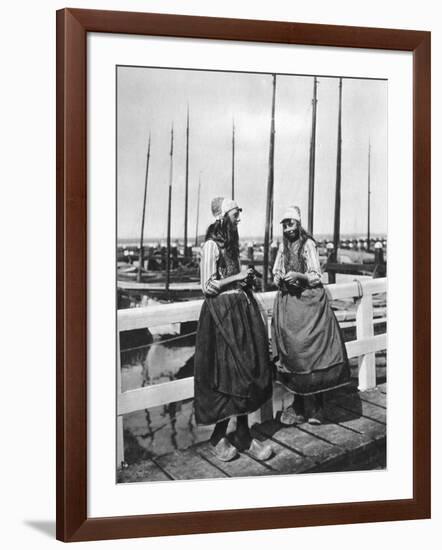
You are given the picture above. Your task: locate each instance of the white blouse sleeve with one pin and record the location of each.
(278, 266)
(208, 268)
(311, 257)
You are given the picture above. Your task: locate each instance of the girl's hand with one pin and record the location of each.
(292, 277)
(244, 274)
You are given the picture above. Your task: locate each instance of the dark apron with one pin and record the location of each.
(232, 368)
(307, 342)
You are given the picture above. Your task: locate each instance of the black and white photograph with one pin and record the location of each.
(203, 199)
(251, 274)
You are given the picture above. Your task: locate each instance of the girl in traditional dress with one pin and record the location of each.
(233, 374)
(307, 343)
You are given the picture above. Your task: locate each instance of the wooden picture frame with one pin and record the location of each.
(73, 523)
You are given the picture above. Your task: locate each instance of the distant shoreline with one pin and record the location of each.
(126, 241)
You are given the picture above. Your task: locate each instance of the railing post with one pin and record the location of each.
(330, 273)
(120, 436)
(250, 252)
(364, 329)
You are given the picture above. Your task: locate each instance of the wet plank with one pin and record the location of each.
(242, 466)
(284, 460)
(354, 404)
(360, 425)
(376, 397)
(361, 440)
(143, 471)
(370, 464)
(188, 465)
(301, 442)
(335, 434)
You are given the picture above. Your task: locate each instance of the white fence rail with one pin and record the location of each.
(364, 347)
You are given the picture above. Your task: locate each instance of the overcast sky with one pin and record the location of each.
(149, 100)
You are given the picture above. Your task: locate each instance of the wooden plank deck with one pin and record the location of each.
(353, 437)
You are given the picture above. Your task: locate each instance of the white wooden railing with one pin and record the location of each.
(364, 347)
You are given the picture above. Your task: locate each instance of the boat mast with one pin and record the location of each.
(169, 212)
(140, 266)
(233, 159)
(186, 200)
(269, 203)
(368, 195)
(198, 210)
(311, 183)
(338, 180)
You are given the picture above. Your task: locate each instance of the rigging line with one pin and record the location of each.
(144, 346)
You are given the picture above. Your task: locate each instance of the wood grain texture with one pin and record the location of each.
(72, 521)
(422, 275)
(250, 30)
(71, 276)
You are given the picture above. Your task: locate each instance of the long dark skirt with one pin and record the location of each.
(233, 374)
(307, 343)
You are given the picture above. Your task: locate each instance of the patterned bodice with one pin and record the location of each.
(216, 265)
(227, 266)
(288, 259)
(293, 261)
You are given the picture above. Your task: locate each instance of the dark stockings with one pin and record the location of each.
(219, 431)
(242, 434)
(308, 406)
